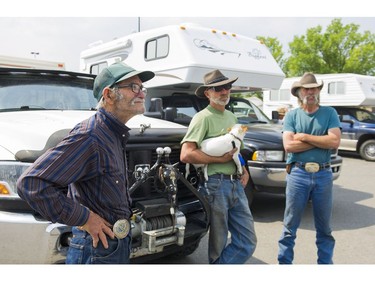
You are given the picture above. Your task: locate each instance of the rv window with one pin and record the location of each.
(150, 50)
(274, 95)
(282, 95)
(97, 68)
(336, 88)
(285, 95)
(157, 48)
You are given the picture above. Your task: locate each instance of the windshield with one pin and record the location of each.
(247, 112)
(39, 93)
(360, 115)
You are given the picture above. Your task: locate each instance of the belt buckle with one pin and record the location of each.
(121, 228)
(311, 167)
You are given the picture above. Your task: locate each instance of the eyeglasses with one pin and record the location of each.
(136, 89)
(222, 87)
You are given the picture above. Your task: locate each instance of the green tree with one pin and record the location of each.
(275, 48)
(340, 49)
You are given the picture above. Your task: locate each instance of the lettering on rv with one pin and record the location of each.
(205, 45)
(256, 54)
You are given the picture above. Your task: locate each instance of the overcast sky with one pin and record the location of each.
(63, 37)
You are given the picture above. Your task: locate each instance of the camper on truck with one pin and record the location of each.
(18, 62)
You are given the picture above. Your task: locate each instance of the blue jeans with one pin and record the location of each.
(229, 212)
(81, 250)
(301, 186)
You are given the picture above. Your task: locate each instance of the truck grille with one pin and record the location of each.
(152, 187)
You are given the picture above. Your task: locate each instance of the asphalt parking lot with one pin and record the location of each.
(353, 222)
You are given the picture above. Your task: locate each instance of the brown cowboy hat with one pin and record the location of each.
(308, 80)
(213, 79)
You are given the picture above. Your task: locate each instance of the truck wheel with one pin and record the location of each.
(367, 150)
(187, 250)
(249, 194)
(249, 191)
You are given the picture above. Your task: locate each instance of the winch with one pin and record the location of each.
(157, 223)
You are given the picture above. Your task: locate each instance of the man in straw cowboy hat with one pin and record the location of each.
(310, 132)
(91, 161)
(224, 188)
(282, 112)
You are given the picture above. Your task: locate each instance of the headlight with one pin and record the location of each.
(334, 153)
(9, 174)
(268, 155)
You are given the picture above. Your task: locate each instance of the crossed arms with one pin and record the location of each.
(298, 142)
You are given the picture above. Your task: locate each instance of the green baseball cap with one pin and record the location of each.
(115, 73)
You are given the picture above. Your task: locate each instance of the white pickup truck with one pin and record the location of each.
(37, 109)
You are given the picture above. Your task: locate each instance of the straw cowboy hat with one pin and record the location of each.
(308, 80)
(282, 110)
(213, 79)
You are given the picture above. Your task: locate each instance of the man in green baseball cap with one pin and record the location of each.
(91, 160)
(120, 91)
(116, 73)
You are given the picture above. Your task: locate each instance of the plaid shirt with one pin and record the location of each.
(91, 161)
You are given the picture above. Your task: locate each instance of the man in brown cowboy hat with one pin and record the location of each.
(224, 188)
(310, 132)
(307, 81)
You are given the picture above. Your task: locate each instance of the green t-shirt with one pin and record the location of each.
(210, 123)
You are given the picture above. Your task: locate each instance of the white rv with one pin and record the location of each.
(18, 62)
(341, 89)
(180, 55)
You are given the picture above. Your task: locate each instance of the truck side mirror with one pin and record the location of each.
(170, 114)
(156, 109)
(275, 115)
(346, 120)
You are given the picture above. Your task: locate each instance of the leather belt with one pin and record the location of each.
(225, 177)
(312, 167)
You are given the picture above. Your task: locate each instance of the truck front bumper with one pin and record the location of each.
(271, 176)
(26, 239)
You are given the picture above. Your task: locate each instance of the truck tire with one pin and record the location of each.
(367, 150)
(249, 194)
(187, 250)
(249, 190)
(250, 187)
